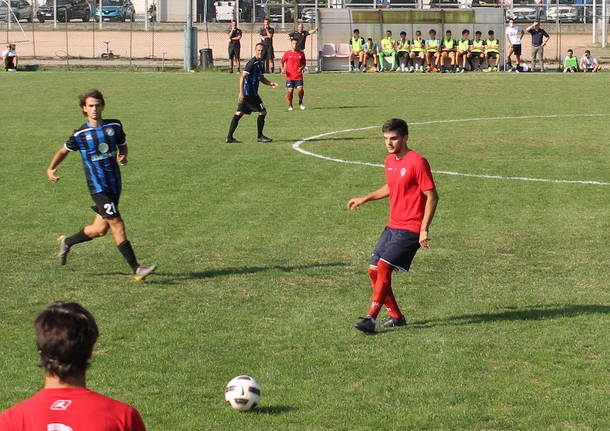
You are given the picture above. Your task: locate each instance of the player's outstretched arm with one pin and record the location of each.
(267, 82)
(429, 210)
(356, 203)
(55, 161)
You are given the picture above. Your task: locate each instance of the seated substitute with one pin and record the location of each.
(402, 53)
(9, 58)
(65, 336)
(356, 44)
(371, 50)
(463, 49)
(388, 45)
(477, 52)
(492, 52)
(433, 54)
(448, 51)
(418, 52)
(588, 63)
(570, 62)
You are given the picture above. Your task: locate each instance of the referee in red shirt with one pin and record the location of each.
(292, 63)
(413, 200)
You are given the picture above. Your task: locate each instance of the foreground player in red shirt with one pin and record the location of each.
(292, 63)
(65, 335)
(413, 199)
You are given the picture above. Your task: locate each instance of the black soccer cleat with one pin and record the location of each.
(366, 325)
(64, 249)
(390, 322)
(263, 138)
(232, 141)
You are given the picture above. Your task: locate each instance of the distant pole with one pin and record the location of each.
(54, 13)
(188, 37)
(145, 15)
(594, 22)
(99, 2)
(557, 30)
(604, 23)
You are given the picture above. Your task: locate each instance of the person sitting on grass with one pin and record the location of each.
(570, 63)
(588, 63)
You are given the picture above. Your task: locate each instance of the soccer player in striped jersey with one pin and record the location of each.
(413, 199)
(102, 146)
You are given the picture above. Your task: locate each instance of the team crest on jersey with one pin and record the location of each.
(403, 171)
(61, 405)
(103, 147)
(110, 131)
(58, 427)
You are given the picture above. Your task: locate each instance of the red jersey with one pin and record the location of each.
(407, 179)
(71, 409)
(294, 63)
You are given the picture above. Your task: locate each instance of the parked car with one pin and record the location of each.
(116, 10)
(20, 10)
(525, 14)
(566, 13)
(66, 10)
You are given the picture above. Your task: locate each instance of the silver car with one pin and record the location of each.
(20, 10)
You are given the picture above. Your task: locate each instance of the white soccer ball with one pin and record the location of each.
(243, 393)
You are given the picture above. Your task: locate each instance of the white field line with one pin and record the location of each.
(297, 147)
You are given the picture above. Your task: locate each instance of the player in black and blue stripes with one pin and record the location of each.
(249, 101)
(102, 146)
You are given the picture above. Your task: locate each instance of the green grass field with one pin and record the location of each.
(262, 270)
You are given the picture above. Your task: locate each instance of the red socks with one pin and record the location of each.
(381, 281)
(289, 98)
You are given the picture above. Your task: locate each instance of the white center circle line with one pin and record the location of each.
(297, 146)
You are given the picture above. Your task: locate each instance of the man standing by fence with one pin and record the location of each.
(234, 46)
(539, 40)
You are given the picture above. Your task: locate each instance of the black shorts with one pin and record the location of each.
(396, 247)
(234, 49)
(491, 54)
(293, 83)
(476, 54)
(268, 53)
(250, 104)
(106, 204)
(517, 49)
(403, 54)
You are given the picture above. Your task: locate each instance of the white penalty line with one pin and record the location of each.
(297, 146)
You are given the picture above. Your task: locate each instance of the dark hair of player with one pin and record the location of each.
(356, 31)
(587, 51)
(465, 31)
(370, 39)
(432, 31)
(448, 32)
(396, 125)
(260, 43)
(65, 336)
(388, 31)
(477, 32)
(95, 93)
(403, 33)
(569, 50)
(490, 32)
(418, 32)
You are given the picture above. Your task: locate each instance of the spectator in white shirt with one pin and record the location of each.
(513, 35)
(588, 63)
(9, 57)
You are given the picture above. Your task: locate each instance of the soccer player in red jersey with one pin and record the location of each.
(413, 200)
(292, 63)
(65, 336)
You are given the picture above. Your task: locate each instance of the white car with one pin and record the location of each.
(566, 14)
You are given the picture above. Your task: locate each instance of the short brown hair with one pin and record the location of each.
(396, 125)
(65, 336)
(95, 93)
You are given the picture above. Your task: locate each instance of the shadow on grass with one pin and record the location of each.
(271, 410)
(211, 273)
(533, 312)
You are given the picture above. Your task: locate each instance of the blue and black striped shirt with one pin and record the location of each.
(254, 69)
(98, 147)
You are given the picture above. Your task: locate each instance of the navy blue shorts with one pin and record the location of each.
(396, 247)
(294, 84)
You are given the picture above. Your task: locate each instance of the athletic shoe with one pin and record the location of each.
(462, 70)
(143, 271)
(290, 108)
(231, 71)
(64, 249)
(302, 106)
(263, 138)
(390, 322)
(366, 325)
(232, 141)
